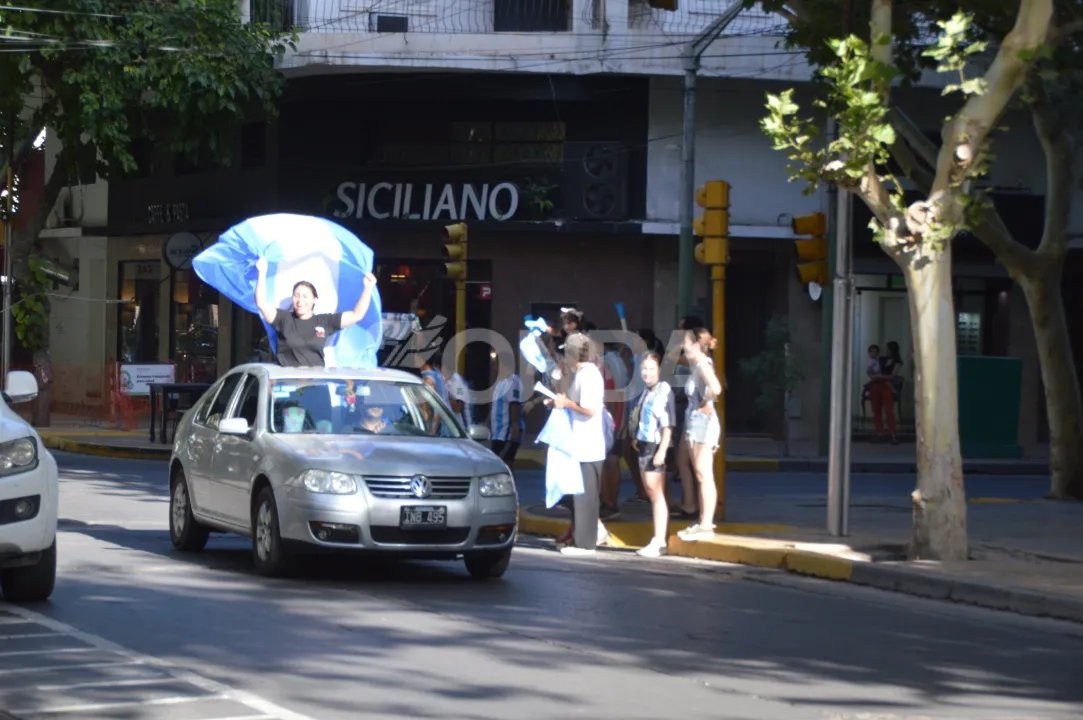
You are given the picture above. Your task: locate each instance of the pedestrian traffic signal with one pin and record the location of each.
(714, 224)
(455, 251)
(812, 251)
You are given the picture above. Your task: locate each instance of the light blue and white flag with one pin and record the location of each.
(299, 247)
(563, 476)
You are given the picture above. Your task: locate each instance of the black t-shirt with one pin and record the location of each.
(301, 342)
(888, 365)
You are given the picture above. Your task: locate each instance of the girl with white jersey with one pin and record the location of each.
(651, 425)
(702, 431)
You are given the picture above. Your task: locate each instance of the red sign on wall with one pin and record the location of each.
(485, 292)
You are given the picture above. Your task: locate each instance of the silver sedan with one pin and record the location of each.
(315, 459)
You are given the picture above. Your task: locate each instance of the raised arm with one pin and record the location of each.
(266, 309)
(352, 317)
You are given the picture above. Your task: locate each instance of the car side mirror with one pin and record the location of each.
(479, 433)
(234, 426)
(21, 386)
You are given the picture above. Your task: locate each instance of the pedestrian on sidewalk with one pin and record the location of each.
(652, 422)
(586, 400)
(506, 421)
(702, 431)
(882, 372)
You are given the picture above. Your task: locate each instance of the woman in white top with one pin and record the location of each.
(702, 432)
(586, 401)
(651, 425)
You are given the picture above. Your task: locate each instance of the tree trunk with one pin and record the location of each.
(939, 527)
(25, 234)
(1062, 398)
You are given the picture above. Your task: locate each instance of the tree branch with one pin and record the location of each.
(1058, 169)
(1058, 35)
(995, 235)
(965, 135)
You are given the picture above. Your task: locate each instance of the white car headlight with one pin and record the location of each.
(327, 482)
(18, 456)
(500, 485)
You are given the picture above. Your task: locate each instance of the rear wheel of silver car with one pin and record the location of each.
(31, 583)
(187, 534)
(488, 565)
(268, 553)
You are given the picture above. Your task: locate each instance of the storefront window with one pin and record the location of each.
(250, 343)
(137, 313)
(195, 328)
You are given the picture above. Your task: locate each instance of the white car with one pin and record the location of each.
(29, 491)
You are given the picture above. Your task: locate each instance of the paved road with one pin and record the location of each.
(616, 637)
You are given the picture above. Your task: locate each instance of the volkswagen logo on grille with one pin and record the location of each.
(421, 486)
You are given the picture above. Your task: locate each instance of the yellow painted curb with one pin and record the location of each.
(631, 534)
(83, 448)
(734, 550)
(819, 565)
(76, 432)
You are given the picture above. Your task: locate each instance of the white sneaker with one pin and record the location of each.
(655, 548)
(690, 530)
(698, 532)
(603, 534)
(573, 551)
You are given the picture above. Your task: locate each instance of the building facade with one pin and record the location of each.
(554, 130)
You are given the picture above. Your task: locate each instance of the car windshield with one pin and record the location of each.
(351, 407)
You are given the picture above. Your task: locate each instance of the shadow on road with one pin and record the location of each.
(346, 620)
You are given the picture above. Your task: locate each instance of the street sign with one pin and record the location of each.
(485, 292)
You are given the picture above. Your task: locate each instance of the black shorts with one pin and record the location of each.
(646, 453)
(506, 449)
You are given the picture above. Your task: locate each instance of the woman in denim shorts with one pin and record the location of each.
(702, 430)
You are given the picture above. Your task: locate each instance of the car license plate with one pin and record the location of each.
(423, 517)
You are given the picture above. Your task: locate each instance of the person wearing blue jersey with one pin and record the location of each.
(506, 420)
(458, 395)
(652, 422)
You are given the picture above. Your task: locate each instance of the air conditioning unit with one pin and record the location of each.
(596, 181)
(392, 24)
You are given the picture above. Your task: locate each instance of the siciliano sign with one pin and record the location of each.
(427, 201)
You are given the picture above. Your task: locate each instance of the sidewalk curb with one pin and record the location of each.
(906, 467)
(110, 451)
(730, 548)
(628, 535)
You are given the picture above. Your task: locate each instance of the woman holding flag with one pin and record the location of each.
(302, 334)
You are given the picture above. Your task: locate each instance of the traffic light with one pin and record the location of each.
(812, 251)
(455, 251)
(714, 224)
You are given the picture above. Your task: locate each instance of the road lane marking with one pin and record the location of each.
(74, 666)
(160, 680)
(212, 689)
(31, 635)
(19, 653)
(93, 707)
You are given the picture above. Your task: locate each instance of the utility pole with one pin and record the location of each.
(842, 345)
(686, 196)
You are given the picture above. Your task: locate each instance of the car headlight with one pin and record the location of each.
(500, 485)
(18, 456)
(327, 482)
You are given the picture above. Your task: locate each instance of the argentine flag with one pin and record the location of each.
(299, 247)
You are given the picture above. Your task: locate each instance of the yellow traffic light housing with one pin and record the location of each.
(812, 251)
(714, 224)
(455, 251)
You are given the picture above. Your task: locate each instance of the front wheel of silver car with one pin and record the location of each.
(31, 583)
(187, 534)
(268, 553)
(488, 565)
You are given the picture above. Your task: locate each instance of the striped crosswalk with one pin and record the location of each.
(51, 671)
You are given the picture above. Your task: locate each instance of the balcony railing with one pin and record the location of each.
(391, 17)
